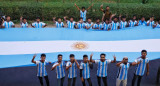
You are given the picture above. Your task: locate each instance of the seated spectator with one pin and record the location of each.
(142, 21)
(150, 22)
(81, 24)
(8, 23)
(70, 24)
(97, 25)
(38, 24)
(59, 23)
(157, 24)
(23, 22)
(123, 22)
(115, 24)
(89, 24)
(106, 25)
(133, 22)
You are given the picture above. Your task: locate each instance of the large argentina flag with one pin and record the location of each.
(18, 45)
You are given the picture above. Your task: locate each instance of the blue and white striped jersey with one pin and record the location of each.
(38, 25)
(123, 24)
(102, 67)
(99, 26)
(151, 23)
(71, 25)
(8, 24)
(24, 25)
(60, 70)
(72, 72)
(123, 71)
(106, 26)
(81, 25)
(158, 26)
(142, 23)
(59, 25)
(85, 70)
(115, 25)
(83, 14)
(41, 68)
(132, 23)
(142, 66)
(89, 24)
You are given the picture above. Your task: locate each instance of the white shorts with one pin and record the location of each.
(118, 82)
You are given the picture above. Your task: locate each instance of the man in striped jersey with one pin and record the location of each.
(142, 21)
(59, 23)
(23, 22)
(123, 23)
(102, 68)
(157, 24)
(85, 70)
(70, 24)
(123, 71)
(81, 24)
(142, 63)
(41, 71)
(97, 25)
(115, 24)
(60, 70)
(89, 24)
(38, 24)
(72, 66)
(8, 23)
(133, 22)
(83, 11)
(106, 25)
(150, 22)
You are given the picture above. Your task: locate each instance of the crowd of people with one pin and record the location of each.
(72, 65)
(108, 21)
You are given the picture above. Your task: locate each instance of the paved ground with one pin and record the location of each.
(26, 76)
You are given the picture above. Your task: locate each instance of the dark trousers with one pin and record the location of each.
(104, 80)
(89, 82)
(134, 79)
(73, 82)
(60, 81)
(158, 75)
(41, 80)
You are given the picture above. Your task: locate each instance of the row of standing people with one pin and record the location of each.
(104, 25)
(71, 66)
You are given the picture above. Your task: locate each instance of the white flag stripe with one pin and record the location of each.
(31, 47)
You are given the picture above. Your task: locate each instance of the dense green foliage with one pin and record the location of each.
(46, 10)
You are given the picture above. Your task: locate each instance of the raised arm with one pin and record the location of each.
(65, 19)
(54, 20)
(21, 19)
(90, 7)
(91, 60)
(33, 59)
(101, 8)
(113, 61)
(77, 6)
(149, 22)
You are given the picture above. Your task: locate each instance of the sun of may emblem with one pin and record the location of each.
(80, 45)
